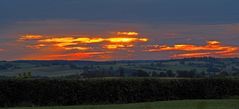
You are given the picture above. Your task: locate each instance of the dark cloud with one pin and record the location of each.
(160, 11)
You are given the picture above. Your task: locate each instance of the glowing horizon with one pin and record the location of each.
(100, 47)
(80, 47)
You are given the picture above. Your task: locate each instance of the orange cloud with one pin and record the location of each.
(30, 37)
(128, 33)
(85, 40)
(37, 46)
(72, 39)
(125, 40)
(75, 43)
(213, 48)
(81, 47)
(117, 46)
(1, 49)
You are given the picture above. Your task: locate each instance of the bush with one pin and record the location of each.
(103, 91)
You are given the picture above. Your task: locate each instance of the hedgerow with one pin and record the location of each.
(49, 92)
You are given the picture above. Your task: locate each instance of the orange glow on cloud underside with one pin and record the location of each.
(85, 47)
(30, 37)
(213, 48)
(71, 43)
(116, 46)
(126, 40)
(71, 40)
(81, 47)
(128, 33)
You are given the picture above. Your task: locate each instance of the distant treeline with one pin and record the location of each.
(189, 68)
(102, 91)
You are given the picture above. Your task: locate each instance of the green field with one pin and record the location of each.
(184, 104)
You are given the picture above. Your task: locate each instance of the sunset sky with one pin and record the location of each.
(118, 29)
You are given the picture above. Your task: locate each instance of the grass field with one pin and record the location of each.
(184, 104)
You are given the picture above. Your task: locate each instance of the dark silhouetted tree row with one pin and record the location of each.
(103, 91)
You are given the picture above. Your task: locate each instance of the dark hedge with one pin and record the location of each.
(103, 91)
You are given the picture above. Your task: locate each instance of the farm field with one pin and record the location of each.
(195, 67)
(181, 104)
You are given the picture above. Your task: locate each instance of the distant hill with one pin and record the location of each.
(189, 67)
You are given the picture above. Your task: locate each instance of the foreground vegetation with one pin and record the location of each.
(184, 104)
(50, 92)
